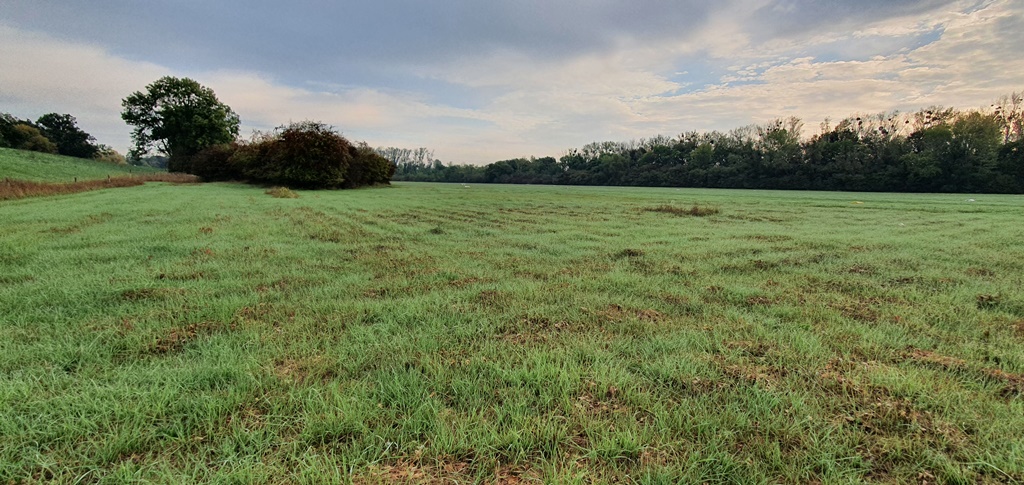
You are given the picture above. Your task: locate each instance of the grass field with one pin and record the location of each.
(446, 334)
(43, 167)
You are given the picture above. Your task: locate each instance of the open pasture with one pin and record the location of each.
(514, 334)
(44, 167)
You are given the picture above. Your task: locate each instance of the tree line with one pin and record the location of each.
(181, 125)
(933, 150)
(54, 133)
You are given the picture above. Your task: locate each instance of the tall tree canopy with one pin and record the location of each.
(63, 131)
(179, 117)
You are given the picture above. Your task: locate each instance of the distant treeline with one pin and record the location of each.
(54, 133)
(933, 150)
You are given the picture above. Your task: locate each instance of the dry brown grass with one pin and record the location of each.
(20, 189)
(282, 193)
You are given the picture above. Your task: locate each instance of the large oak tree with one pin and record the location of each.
(178, 117)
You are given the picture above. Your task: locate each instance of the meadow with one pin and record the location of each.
(44, 167)
(439, 333)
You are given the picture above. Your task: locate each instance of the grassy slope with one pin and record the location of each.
(183, 333)
(43, 167)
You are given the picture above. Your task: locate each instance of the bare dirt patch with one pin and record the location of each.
(754, 349)
(767, 375)
(177, 338)
(1013, 384)
(883, 417)
(987, 301)
(862, 310)
(760, 301)
(313, 369)
(944, 362)
(696, 210)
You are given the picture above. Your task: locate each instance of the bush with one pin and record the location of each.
(248, 156)
(213, 163)
(308, 155)
(369, 168)
(107, 154)
(27, 137)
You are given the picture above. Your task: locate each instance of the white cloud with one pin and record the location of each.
(43, 74)
(540, 106)
(973, 62)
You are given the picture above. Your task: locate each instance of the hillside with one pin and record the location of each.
(43, 167)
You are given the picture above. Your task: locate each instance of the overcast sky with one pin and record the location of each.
(484, 80)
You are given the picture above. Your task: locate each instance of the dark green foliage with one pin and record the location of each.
(213, 163)
(179, 117)
(308, 155)
(23, 135)
(934, 150)
(7, 123)
(1010, 167)
(369, 168)
(63, 131)
(28, 137)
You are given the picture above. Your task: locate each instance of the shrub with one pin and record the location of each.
(248, 156)
(214, 163)
(307, 154)
(369, 168)
(26, 137)
(107, 154)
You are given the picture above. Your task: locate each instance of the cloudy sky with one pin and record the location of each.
(484, 80)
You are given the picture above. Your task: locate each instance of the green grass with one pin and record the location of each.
(43, 167)
(431, 332)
